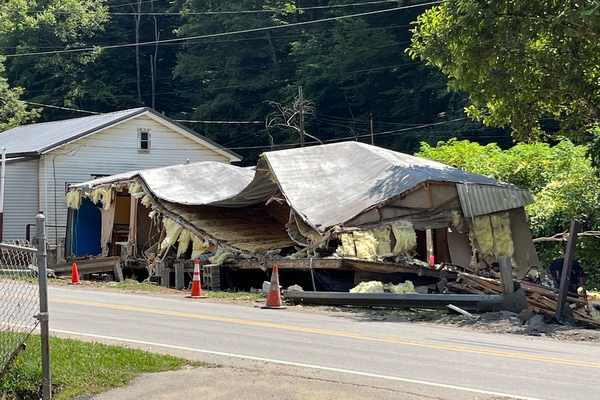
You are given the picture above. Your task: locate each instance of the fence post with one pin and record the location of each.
(43, 316)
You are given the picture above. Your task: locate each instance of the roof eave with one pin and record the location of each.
(125, 117)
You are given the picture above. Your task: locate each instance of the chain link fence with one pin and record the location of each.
(19, 298)
(24, 301)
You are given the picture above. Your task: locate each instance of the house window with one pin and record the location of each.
(143, 140)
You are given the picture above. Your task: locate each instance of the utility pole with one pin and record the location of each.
(301, 112)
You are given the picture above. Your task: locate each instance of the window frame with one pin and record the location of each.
(144, 144)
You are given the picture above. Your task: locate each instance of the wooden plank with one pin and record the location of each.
(118, 272)
(506, 277)
(179, 275)
(286, 263)
(388, 268)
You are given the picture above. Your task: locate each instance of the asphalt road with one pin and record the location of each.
(297, 355)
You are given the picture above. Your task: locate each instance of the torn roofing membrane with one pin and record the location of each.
(325, 185)
(331, 184)
(201, 183)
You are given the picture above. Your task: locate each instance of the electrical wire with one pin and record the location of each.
(199, 37)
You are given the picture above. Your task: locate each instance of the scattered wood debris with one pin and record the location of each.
(540, 298)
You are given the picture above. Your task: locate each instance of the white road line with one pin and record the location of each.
(318, 367)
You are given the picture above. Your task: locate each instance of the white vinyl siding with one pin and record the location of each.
(109, 152)
(20, 198)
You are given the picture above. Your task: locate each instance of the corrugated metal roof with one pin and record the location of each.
(481, 199)
(36, 138)
(43, 137)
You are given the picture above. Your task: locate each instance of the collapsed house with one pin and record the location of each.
(339, 213)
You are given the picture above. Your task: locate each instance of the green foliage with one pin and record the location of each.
(13, 110)
(234, 60)
(80, 368)
(50, 26)
(520, 61)
(561, 178)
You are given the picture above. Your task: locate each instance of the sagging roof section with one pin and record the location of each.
(320, 187)
(199, 183)
(331, 184)
(326, 185)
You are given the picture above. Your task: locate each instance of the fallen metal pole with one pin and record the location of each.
(468, 302)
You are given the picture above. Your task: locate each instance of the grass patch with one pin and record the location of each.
(79, 368)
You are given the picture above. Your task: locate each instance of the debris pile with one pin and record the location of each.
(540, 298)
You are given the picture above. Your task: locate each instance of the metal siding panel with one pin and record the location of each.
(483, 199)
(20, 198)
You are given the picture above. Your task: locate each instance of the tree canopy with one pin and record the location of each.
(530, 65)
(219, 67)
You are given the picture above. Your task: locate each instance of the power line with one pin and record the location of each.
(176, 40)
(61, 108)
(197, 121)
(271, 11)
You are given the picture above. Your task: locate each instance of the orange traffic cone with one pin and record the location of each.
(274, 296)
(74, 275)
(196, 288)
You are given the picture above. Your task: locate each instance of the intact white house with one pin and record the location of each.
(43, 159)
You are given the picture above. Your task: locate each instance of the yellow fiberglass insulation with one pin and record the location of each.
(94, 195)
(493, 235)
(406, 287)
(146, 201)
(185, 237)
(346, 249)
(368, 287)
(135, 189)
(406, 237)
(359, 244)
(384, 241)
(173, 229)
(502, 235)
(103, 194)
(482, 229)
(199, 247)
(74, 199)
(366, 245)
(221, 256)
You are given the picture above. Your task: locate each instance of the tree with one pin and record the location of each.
(51, 27)
(523, 63)
(231, 77)
(13, 110)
